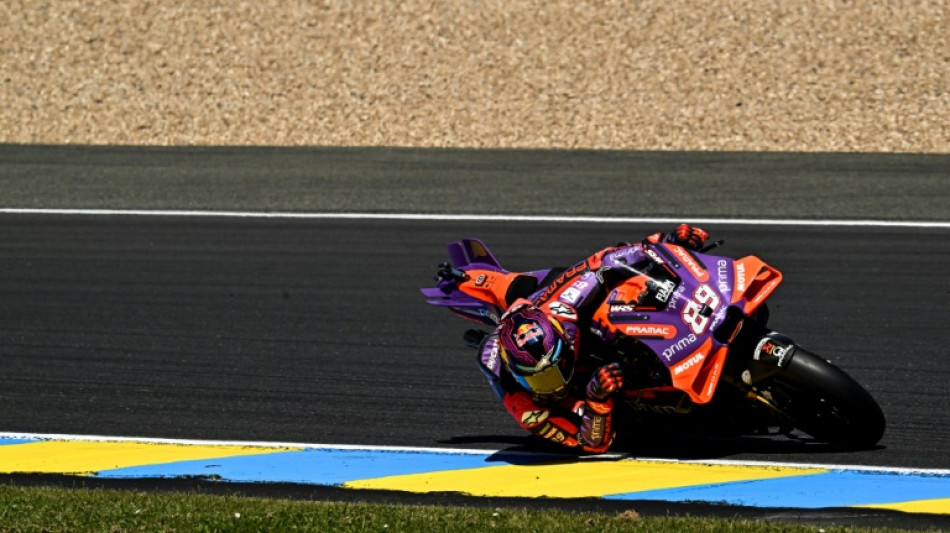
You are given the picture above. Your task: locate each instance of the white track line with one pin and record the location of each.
(453, 451)
(479, 218)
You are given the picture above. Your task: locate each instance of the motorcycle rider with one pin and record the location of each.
(534, 359)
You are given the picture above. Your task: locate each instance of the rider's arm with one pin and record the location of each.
(571, 422)
(598, 407)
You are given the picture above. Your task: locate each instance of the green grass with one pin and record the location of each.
(113, 511)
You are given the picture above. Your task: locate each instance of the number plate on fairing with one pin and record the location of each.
(674, 311)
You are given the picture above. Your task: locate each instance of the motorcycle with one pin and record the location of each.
(690, 330)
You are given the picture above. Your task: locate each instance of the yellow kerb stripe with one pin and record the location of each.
(576, 480)
(938, 506)
(76, 457)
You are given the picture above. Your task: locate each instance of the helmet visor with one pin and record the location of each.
(550, 379)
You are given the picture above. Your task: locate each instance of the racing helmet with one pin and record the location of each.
(536, 351)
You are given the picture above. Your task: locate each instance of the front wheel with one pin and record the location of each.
(826, 403)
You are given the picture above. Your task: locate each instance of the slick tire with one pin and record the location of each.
(826, 403)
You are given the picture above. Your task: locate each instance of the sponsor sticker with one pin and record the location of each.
(697, 271)
(597, 429)
(662, 331)
(622, 308)
(740, 278)
(769, 347)
(533, 418)
(722, 276)
(688, 363)
(492, 363)
(679, 346)
(673, 304)
(562, 310)
(664, 291)
(655, 256)
(561, 280)
(570, 295)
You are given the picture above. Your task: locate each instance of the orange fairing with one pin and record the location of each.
(755, 281)
(488, 286)
(699, 373)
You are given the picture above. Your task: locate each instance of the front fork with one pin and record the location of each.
(756, 355)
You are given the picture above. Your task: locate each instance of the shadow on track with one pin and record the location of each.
(657, 445)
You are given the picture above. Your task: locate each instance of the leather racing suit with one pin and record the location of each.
(575, 421)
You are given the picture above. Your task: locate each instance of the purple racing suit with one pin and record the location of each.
(575, 421)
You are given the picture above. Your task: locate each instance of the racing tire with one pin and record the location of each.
(826, 403)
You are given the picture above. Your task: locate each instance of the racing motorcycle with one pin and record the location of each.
(690, 330)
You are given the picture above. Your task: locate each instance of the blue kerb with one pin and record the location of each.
(832, 489)
(312, 466)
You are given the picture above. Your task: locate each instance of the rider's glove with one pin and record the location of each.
(605, 381)
(689, 236)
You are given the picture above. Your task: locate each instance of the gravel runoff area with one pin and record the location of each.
(736, 75)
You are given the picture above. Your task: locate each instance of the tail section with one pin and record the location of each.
(475, 285)
(473, 254)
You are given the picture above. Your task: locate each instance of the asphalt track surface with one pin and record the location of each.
(533, 182)
(313, 330)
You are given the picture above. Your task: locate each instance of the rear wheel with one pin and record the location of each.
(826, 403)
